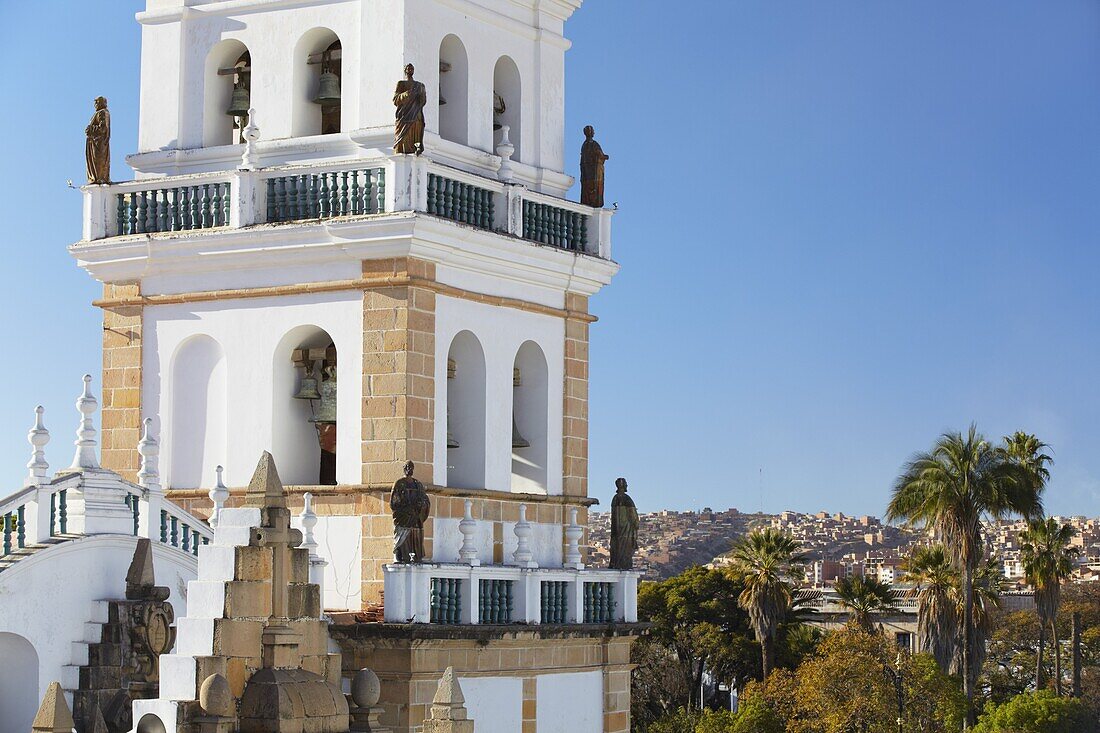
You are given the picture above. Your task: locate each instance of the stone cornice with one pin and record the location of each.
(354, 489)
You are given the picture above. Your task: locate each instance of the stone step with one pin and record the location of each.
(79, 653)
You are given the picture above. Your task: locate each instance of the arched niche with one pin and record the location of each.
(19, 695)
(508, 96)
(466, 413)
(318, 51)
(530, 396)
(454, 91)
(304, 448)
(199, 396)
(219, 128)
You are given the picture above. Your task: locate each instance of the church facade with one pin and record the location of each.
(356, 265)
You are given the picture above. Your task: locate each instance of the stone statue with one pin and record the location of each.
(624, 528)
(410, 505)
(592, 160)
(409, 98)
(98, 149)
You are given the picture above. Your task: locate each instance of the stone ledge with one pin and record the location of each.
(354, 489)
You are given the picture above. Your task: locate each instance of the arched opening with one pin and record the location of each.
(507, 103)
(466, 413)
(530, 395)
(227, 94)
(318, 79)
(453, 91)
(199, 417)
(19, 696)
(304, 407)
(150, 723)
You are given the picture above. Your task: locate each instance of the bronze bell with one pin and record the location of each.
(518, 441)
(241, 101)
(328, 94)
(308, 389)
(326, 413)
(452, 441)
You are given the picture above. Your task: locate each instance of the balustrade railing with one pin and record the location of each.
(555, 226)
(173, 209)
(495, 601)
(326, 195)
(183, 531)
(15, 529)
(460, 201)
(599, 603)
(554, 600)
(446, 601)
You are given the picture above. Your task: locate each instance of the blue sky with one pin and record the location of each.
(844, 228)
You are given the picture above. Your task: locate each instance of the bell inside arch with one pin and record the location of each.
(518, 441)
(326, 413)
(240, 102)
(328, 94)
(307, 389)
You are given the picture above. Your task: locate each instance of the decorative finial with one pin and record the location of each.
(523, 555)
(309, 521)
(468, 527)
(250, 134)
(573, 532)
(85, 435)
(505, 149)
(218, 496)
(148, 474)
(38, 437)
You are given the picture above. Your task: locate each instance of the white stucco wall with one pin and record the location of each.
(250, 332)
(546, 542)
(340, 542)
(501, 332)
(569, 703)
(48, 598)
(495, 703)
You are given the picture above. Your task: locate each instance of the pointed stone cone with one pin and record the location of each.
(140, 575)
(265, 489)
(99, 725)
(448, 703)
(53, 714)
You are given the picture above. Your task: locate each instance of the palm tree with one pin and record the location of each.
(1027, 450)
(766, 560)
(1048, 559)
(865, 598)
(988, 584)
(935, 588)
(951, 489)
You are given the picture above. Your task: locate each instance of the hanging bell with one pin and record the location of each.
(326, 413)
(328, 94)
(518, 441)
(241, 101)
(452, 441)
(308, 389)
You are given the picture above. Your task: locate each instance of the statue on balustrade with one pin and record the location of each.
(410, 506)
(409, 98)
(624, 528)
(592, 162)
(97, 151)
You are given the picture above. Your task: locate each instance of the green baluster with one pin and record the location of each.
(206, 219)
(433, 603)
(356, 193)
(7, 534)
(161, 198)
(227, 198)
(63, 510)
(433, 188)
(344, 193)
(271, 216)
(457, 612)
(481, 601)
(164, 526)
(494, 601)
(175, 535)
(216, 205)
(314, 196)
(325, 206)
(195, 197)
(186, 539)
(381, 190)
(21, 527)
(53, 514)
(120, 216)
(135, 506)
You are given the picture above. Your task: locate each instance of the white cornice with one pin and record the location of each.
(296, 248)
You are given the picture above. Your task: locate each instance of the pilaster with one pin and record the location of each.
(121, 413)
(575, 408)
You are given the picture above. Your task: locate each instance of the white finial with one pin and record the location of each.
(250, 134)
(37, 436)
(505, 149)
(148, 474)
(309, 521)
(218, 496)
(573, 532)
(468, 526)
(523, 555)
(85, 435)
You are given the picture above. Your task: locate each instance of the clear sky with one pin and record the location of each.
(844, 228)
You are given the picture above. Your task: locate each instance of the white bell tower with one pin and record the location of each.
(443, 298)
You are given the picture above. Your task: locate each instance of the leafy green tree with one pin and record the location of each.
(865, 598)
(696, 618)
(1048, 558)
(935, 588)
(1037, 712)
(765, 562)
(951, 489)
